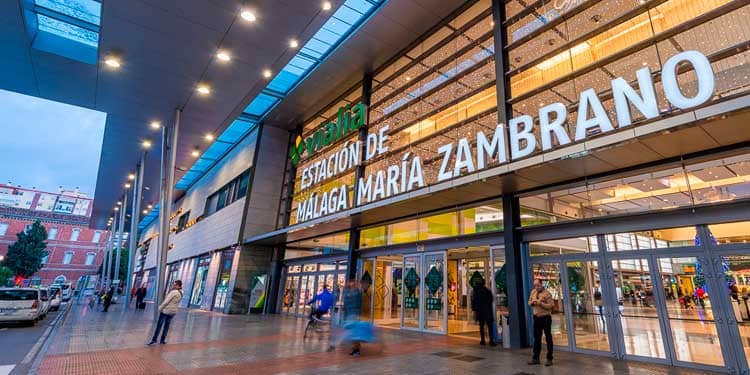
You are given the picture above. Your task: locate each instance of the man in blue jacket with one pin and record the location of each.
(325, 300)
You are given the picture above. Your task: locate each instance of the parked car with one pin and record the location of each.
(55, 298)
(20, 305)
(66, 290)
(45, 304)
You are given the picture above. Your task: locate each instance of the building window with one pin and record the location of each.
(52, 234)
(45, 259)
(60, 279)
(90, 258)
(234, 190)
(182, 221)
(3, 229)
(97, 236)
(74, 235)
(68, 257)
(27, 228)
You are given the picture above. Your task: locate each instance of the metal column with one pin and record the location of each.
(168, 154)
(108, 254)
(514, 267)
(137, 192)
(123, 217)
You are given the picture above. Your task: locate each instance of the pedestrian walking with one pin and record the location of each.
(541, 304)
(140, 295)
(481, 304)
(108, 298)
(167, 311)
(352, 309)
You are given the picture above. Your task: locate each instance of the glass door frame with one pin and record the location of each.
(707, 253)
(726, 322)
(421, 256)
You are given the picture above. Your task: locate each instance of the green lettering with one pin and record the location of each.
(360, 111)
(330, 134)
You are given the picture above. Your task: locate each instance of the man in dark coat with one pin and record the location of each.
(140, 294)
(108, 298)
(481, 303)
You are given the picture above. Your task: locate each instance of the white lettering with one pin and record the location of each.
(516, 136)
(371, 146)
(703, 72)
(392, 181)
(496, 148)
(364, 189)
(382, 137)
(624, 94)
(463, 158)
(379, 192)
(415, 174)
(444, 173)
(588, 99)
(547, 127)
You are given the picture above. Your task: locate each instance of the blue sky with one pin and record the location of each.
(46, 144)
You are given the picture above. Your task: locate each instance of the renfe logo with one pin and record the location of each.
(465, 156)
(347, 121)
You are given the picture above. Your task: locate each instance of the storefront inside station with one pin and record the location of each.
(641, 241)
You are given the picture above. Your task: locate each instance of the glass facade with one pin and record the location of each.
(620, 286)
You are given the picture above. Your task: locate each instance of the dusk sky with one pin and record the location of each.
(47, 144)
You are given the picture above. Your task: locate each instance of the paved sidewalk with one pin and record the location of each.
(93, 342)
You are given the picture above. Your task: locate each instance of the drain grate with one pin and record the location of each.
(468, 358)
(446, 354)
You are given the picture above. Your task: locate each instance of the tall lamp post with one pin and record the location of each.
(168, 155)
(137, 192)
(123, 211)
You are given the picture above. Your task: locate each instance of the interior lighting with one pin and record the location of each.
(131, 176)
(248, 15)
(223, 56)
(117, 208)
(127, 185)
(267, 73)
(209, 137)
(145, 212)
(203, 89)
(327, 5)
(150, 206)
(195, 153)
(293, 43)
(146, 144)
(155, 125)
(119, 203)
(112, 62)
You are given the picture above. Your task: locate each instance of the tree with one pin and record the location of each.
(5, 274)
(25, 256)
(123, 265)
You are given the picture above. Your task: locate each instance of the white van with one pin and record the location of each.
(20, 305)
(55, 298)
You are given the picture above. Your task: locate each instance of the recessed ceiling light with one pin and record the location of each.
(155, 125)
(112, 62)
(209, 137)
(117, 208)
(267, 73)
(248, 15)
(127, 185)
(223, 56)
(146, 144)
(145, 212)
(131, 176)
(407, 78)
(203, 89)
(195, 153)
(327, 5)
(150, 206)
(293, 43)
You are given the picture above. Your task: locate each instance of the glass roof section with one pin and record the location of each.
(228, 139)
(69, 28)
(344, 22)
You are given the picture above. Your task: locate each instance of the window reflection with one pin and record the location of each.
(703, 182)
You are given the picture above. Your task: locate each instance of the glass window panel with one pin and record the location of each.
(438, 226)
(85, 10)
(563, 246)
(68, 31)
(738, 232)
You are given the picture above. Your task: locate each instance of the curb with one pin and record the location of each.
(46, 339)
